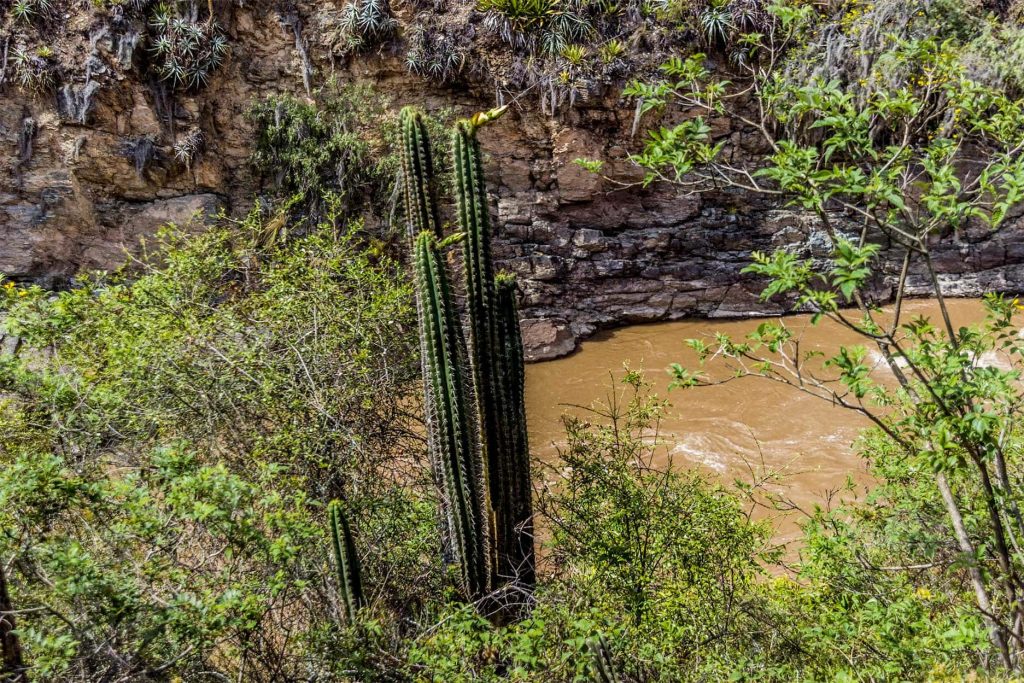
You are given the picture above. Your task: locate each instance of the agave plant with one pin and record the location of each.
(186, 51)
(186, 149)
(568, 24)
(574, 54)
(749, 15)
(27, 10)
(366, 23)
(23, 10)
(434, 54)
(548, 25)
(517, 16)
(611, 51)
(33, 70)
(716, 23)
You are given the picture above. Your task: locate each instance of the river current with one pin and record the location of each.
(739, 430)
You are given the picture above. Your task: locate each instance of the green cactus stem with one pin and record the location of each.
(350, 585)
(601, 668)
(451, 416)
(498, 390)
(520, 558)
(418, 182)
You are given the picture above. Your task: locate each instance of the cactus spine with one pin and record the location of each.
(450, 416)
(420, 205)
(497, 365)
(601, 668)
(486, 511)
(520, 552)
(350, 584)
(418, 183)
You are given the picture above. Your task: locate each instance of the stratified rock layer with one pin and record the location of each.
(78, 190)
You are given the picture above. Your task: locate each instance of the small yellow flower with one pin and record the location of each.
(924, 593)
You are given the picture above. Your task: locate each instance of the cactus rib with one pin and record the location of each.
(418, 183)
(346, 562)
(450, 417)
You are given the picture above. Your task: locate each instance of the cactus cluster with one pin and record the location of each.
(477, 420)
(497, 368)
(346, 562)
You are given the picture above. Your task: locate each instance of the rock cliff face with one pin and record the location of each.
(87, 170)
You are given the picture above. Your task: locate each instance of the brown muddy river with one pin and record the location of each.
(731, 431)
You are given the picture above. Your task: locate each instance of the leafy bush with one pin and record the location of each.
(889, 137)
(340, 151)
(169, 444)
(312, 151)
(644, 533)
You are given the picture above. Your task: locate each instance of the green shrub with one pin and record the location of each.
(169, 444)
(340, 151)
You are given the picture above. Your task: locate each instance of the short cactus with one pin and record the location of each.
(350, 585)
(12, 666)
(601, 668)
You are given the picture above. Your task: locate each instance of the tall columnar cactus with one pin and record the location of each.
(350, 584)
(520, 554)
(601, 668)
(451, 417)
(420, 205)
(474, 221)
(497, 369)
(418, 182)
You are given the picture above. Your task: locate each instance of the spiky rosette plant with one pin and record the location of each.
(29, 10)
(188, 147)
(435, 54)
(186, 51)
(346, 562)
(418, 181)
(367, 23)
(495, 364)
(451, 419)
